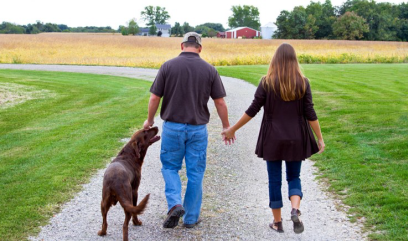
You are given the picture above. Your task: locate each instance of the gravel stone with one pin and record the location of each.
(235, 198)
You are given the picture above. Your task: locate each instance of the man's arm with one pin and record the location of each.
(153, 106)
(223, 114)
(222, 111)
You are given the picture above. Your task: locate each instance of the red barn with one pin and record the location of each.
(221, 35)
(243, 32)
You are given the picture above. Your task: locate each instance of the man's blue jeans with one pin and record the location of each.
(275, 181)
(190, 142)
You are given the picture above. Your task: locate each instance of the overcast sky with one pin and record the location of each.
(113, 13)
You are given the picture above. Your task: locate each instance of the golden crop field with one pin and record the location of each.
(151, 52)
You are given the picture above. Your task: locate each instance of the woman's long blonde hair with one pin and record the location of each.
(284, 74)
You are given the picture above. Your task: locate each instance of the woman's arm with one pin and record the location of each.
(230, 132)
(312, 117)
(256, 105)
(316, 129)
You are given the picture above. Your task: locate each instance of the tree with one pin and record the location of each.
(374, 14)
(177, 30)
(350, 26)
(211, 33)
(10, 28)
(324, 15)
(50, 27)
(282, 24)
(152, 29)
(296, 24)
(187, 28)
(310, 27)
(201, 29)
(215, 26)
(32, 29)
(39, 25)
(328, 18)
(133, 27)
(206, 31)
(402, 32)
(124, 30)
(245, 16)
(155, 15)
(63, 27)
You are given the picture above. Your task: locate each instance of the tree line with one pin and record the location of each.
(40, 27)
(246, 15)
(354, 19)
(153, 15)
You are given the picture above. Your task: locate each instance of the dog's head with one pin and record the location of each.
(142, 139)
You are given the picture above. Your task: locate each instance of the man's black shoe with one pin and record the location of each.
(173, 216)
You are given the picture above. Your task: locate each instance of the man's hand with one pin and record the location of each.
(148, 124)
(153, 105)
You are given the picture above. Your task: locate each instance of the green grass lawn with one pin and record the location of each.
(71, 126)
(363, 112)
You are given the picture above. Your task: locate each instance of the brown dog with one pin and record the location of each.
(122, 178)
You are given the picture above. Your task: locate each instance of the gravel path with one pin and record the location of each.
(235, 204)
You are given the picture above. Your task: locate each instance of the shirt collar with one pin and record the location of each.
(189, 54)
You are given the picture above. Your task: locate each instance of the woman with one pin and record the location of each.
(285, 133)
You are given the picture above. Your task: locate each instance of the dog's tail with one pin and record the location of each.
(135, 210)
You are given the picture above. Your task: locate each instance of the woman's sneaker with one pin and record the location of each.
(297, 223)
(192, 225)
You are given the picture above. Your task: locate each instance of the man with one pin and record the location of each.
(185, 83)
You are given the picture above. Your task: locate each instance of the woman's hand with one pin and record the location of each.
(321, 145)
(228, 136)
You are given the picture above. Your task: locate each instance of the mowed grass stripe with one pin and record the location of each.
(52, 144)
(363, 111)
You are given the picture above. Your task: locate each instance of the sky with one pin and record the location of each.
(75, 13)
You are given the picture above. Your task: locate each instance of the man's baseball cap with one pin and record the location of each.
(192, 37)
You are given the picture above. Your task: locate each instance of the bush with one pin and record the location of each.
(124, 31)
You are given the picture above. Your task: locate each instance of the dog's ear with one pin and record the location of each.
(137, 148)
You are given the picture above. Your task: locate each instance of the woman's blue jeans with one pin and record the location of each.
(189, 142)
(275, 181)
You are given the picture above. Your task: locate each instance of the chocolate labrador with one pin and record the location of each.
(122, 178)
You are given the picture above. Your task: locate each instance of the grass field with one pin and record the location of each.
(56, 129)
(151, 52)
(363, 111)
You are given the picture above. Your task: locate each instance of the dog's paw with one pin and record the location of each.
(136, 222)
(101, 233)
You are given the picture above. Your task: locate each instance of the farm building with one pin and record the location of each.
(164, 28)
(221, 35)
(143, 31)
(268, 30)
(242, 32)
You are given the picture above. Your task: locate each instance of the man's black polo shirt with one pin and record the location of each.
(186, 83)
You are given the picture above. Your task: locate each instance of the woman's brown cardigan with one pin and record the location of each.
(285, 133)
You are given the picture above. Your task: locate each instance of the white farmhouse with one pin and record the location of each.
(268, 30)
(164, 28)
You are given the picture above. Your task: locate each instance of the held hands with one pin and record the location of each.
(148, 124)
(228, 136)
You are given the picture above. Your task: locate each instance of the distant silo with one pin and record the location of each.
(268, 30)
